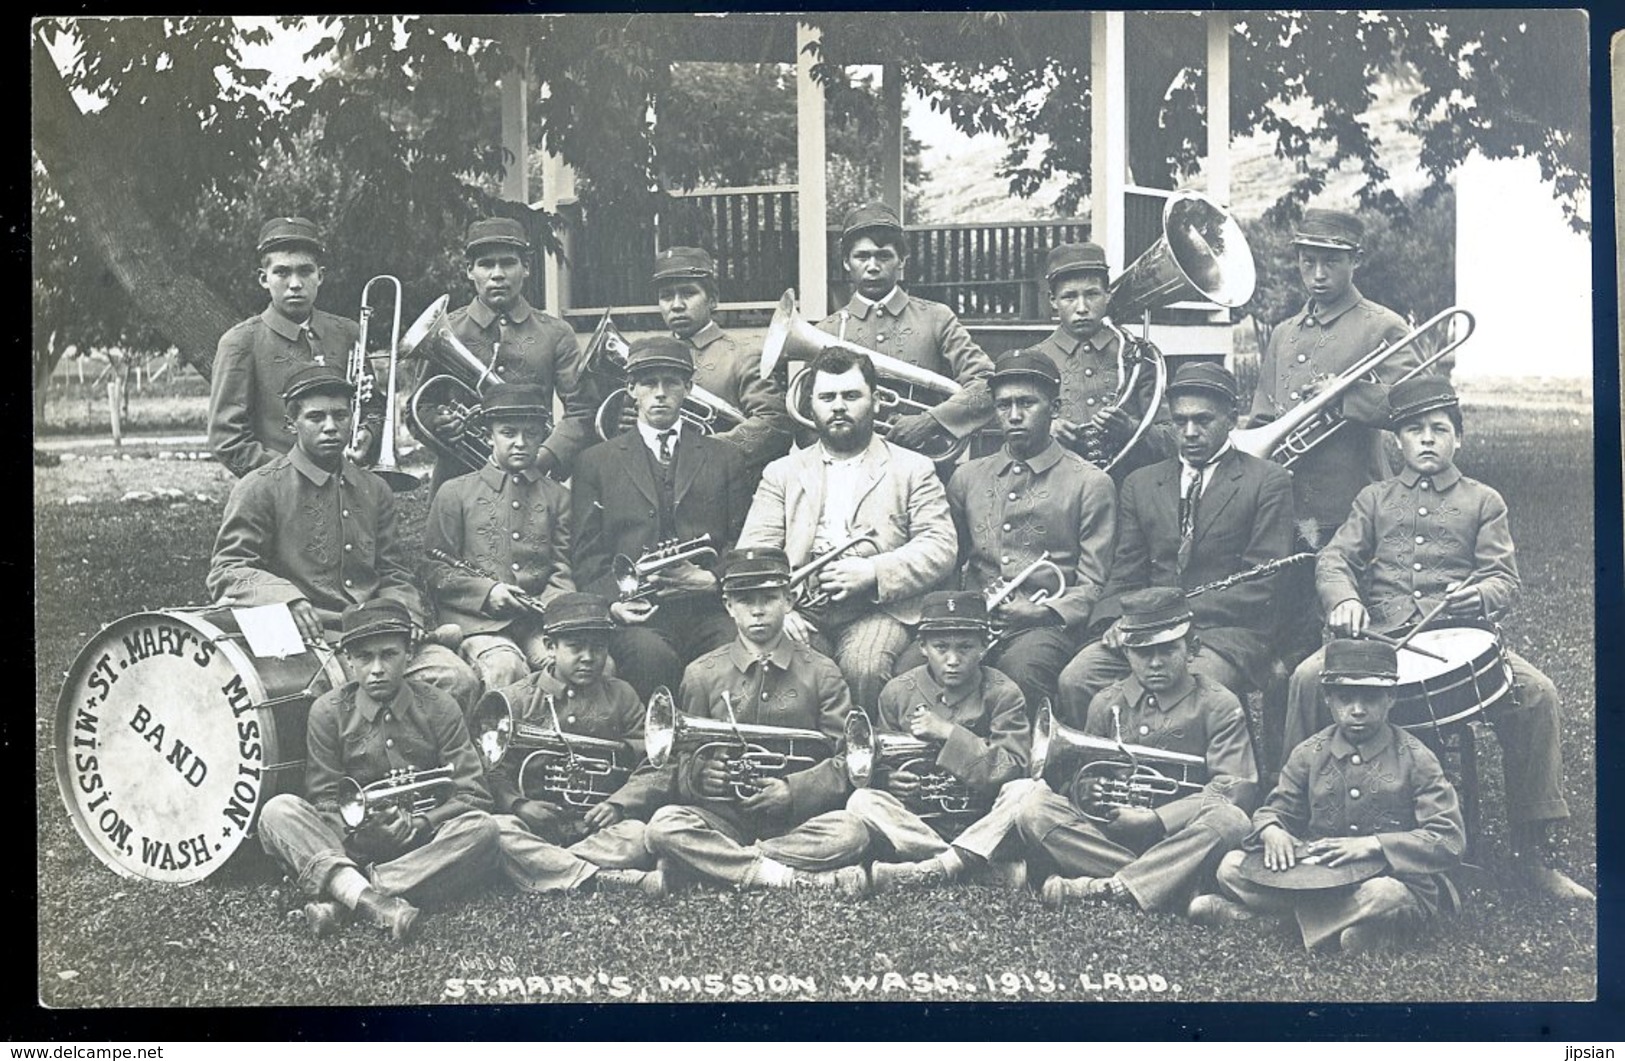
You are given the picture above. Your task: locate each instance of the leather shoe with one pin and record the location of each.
(390, 913)
(1058, 890)
(850, 881)
(650, 882)
(890, 876)
(1213, 910)
(325, 917)
(1011, 876)
(1365, 938)
(1556, 884)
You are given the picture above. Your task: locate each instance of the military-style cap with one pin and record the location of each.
(1362, 662)
(1207, 377)
(1423, 394)
(684, 263)
(948, 610)
(572, 612)
(501, 230)
(1331, 229)
(755, 569)
(868, 217)
(659, 351)
(1029, 364)
(316, 379)
(511, 401)
(281, 233)
(1068, 258)
(381, 615)
(1154, 616)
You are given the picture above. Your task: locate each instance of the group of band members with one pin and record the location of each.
(1150, 639)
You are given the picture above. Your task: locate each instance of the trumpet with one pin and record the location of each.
(752, 754)
(410, 789)
(1100, 775)
(387, 466)
(605, 359)
(632, 577)
(1043, 567)
(872, 757)
(526, 601)
(574, 769)
(1289, 438)
(805, 595)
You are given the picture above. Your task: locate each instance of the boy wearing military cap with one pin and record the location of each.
(1432, 536)
(685, 284)
(518, 344)
(549, 842)
(976, 721)
(510, 524)
(314, 531)
(1094, 359)
(882, 317)
(372, 857)
(791, 830)
(661, 482)
(254, 359)
(1156, 857)
(1362, 814)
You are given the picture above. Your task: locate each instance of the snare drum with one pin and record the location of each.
(1475, 676)
(171, 735)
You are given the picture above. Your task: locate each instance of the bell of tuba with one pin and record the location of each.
(1098, 774)
(1303, 427)
(605, 361)
(753, 754)
(872, 757)
(905, 389)
(572, 769)
(454, 389)
(387, 466)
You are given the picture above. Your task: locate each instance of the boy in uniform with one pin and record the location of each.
(1154, 857)
(512, 524)
(977, 719)
(376, 724)
(1358, 793)
(1432, 535)
(549, 845)
(792, 830)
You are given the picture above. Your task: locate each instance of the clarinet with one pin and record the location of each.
(1268, 567)
(526, 601)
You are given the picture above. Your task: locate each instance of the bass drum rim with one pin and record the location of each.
(1464, 674)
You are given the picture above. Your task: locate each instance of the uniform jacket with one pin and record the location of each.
(1410, 537)
(1091, 372)
(1009, 511)
(513, 527)
(991, 741)
(292, 531)
(928, 335)
(252, 363)
(616, 504)
(731, 370)
(1244, 519)
(903, 505)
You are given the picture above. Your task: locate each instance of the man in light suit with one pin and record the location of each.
(1208, 513)
(659, 483)
(849, 483)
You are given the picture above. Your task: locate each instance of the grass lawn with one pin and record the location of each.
(236, 939)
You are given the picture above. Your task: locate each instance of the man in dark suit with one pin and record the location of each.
(659, 483)
(1202, 516)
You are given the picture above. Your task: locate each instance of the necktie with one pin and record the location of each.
(1190, 500)
(665, 446)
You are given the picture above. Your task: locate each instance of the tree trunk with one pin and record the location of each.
(130, 243)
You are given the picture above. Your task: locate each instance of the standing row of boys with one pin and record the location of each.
(1148, 561)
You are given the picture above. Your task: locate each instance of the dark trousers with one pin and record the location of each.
(654, 653)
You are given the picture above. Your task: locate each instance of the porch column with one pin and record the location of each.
(891, 151)
(811, 206)
(1108, 131)
(558, 188)
(516, 131)
(1218, 106)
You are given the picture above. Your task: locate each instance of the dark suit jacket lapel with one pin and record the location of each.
(1219, 493)
(635, 459)
(690, 455)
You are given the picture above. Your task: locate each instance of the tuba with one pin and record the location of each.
(387, 466)
(573, 769)
(805, 595)
(1307, 425)
(872, 757)
(753, 754)
(1128, 775)
(411, 790)
(605, 361)
(455, 388)
(632, 576)
(906, 389)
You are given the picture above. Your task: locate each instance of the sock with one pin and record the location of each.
(346, 885)
(952, 864)
(771, 873)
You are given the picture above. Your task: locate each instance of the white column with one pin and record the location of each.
(558, 186)
(516, 131)
(891, 150)
(1218, 106)
(811, 198)
(1108, 132)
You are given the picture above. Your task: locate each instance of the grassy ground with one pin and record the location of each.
(235, 940)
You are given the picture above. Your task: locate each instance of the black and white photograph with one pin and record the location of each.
(929, 507)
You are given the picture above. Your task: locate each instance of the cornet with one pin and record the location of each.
(568, 768)
(633, 577)
(804, 592)
(386, 467)
(872, 757)
(414, 791)
(1043, 567)
(752, 754)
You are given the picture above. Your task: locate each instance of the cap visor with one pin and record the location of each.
(1375, 680)
(1325, 243)
(1159, 636)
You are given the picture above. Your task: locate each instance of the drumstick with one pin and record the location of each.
(1399, 646)
(1433, 613)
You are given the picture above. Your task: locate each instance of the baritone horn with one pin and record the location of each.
(605, 360)
(634, 577)
(454, 390)
(572, 769)
(873, 757)
(1100, 774)
(414, 791)
(904, 391)
(1303, 427)
(803, 591)
(387, 466)
(752, 754)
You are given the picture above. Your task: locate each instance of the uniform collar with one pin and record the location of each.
(318, 476)
(1373, 747)
(706, 335)
(938, 696)
(742, 654)
(894, 302)
(1041, 462)
(548, 682)
(369, 710)
(1137, 695)
(495, 477)
(483, 315)
(1441, 480)
(287, 328)
(1327, 313)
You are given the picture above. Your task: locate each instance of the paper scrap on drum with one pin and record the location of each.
(270, 631)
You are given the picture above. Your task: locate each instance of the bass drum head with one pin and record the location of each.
(1472, 676)
(170, 736)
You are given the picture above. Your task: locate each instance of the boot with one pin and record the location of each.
(394, 915)
(1531, 842)
(891, 876)
(1214, 910)
(651, 882)
(325, 917)
(850, 881)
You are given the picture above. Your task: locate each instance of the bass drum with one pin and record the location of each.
(171, 735)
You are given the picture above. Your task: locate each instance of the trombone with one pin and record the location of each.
(387, 466)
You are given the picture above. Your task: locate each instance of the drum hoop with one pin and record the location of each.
(1468, 673)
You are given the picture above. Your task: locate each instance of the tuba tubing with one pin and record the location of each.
(457, 385)
(605, 358)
